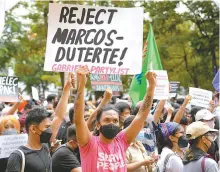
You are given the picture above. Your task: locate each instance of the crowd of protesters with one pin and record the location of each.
(154, 136)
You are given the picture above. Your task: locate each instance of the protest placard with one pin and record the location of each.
(102, 82)
(9, 143)
(8, 89)
(35, 94)
(106, 39)
(162, 88)
(174, 86)
(200, 97)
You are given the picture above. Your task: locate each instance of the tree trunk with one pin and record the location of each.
(214, 61)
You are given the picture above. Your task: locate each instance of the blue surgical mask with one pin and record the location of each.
(9, 131)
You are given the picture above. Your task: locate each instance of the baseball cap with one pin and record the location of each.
(204, 114)
(197, 129)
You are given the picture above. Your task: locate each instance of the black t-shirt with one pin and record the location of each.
(35, 160)
(3, 164)
(64, 160)
(62, 132)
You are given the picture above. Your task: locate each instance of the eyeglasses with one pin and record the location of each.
(212, 135)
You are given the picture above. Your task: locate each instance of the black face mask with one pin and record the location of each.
(182, 142)
(109, 131)
(45, 135)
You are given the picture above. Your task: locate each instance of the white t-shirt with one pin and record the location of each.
(174, 163)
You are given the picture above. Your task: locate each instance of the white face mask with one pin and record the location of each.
(210, 123)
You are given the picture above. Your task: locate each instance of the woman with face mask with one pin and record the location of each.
(201, 138)
(172, 143)
(9, 125)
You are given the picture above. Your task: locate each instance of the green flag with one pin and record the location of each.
(151, 61)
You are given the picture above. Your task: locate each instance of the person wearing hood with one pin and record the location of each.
(201, 138)
(106, 152)
(172, 144)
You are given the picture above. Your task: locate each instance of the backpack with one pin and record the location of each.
(23, 159)
(166, 160)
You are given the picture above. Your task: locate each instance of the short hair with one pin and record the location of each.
(51, 97)
(121, 106)
(184, 121)
(71, 114)
(128, 121)
(104, 109)
(35, 117)
(71, 133)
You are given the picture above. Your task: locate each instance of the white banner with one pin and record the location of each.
(35, 94)
(106, 39)
(200, 97)
(9, 143)
(162, 88)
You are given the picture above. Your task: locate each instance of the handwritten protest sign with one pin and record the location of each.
(200, 97)
(106, 39)
(8, 88)
(174, 86)
(102, 82)
(9, 143)
(162, 88)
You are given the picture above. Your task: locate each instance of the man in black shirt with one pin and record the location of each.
(64, 158)
(41, 130)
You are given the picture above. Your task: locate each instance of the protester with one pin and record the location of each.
(171, 144)
(136, 156)
(106, 152)
(206, 116)
(41, 131)
(9, 125)
(125, 111)
(64, 158)
(201, 137)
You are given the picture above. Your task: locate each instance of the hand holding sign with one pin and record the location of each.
(71, 81)
(151, 77)
(108, 94)
(82, 74)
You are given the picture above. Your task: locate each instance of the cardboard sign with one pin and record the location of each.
(35, 94)
(106, 39)
(200, 97)
(8, 89)
(162, 88)
(174, 86)
(9, 143)
(102, 82)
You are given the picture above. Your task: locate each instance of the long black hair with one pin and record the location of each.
(165, 142)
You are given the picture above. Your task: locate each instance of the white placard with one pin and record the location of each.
(200, 97)
(35, 94)
(162, 88)
(9, 143)
(106, 39)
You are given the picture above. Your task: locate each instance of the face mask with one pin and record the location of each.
(109, 131)
(10, 131)
(45, 135)
(183, 142)
(211, 123)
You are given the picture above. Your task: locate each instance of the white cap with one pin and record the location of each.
(204, 114)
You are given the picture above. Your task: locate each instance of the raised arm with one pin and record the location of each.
(180, 112)
(82, 131)
(105, 100)
(137, 124)
(158, 111)
(61, 107)
(15, 106)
